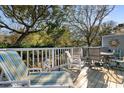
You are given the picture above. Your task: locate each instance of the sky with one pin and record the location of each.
(117, 14)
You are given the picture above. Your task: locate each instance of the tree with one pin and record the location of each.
(37, 40)
(86, 21)
(42, 39)
(13, 37)
(25, 20)
(56, 34)
(119, 29)
(65, 39)
(106, 28)
(57, 24)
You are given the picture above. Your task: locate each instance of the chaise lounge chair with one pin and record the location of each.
(18, 74)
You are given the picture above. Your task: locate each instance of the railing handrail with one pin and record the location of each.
(33, 48)
(45, 48)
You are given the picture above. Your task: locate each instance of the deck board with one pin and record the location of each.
(99, 82)
(82, 77)
(122, 73)
(89, 82)
(111, 78)
(119, 74)
(103, 78)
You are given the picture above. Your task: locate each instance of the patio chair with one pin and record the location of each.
(94, 57)
(74, 61)
(117, 59)
(46, 65)
(18, 74)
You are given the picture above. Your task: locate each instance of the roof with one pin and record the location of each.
(113, 35)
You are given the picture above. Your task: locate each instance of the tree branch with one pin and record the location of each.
(3, 25)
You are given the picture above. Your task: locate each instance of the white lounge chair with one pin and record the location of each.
(18, 74)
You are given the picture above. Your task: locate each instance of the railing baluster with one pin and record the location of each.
(46, 54)
(49, 56)
(72, 52)
(58, 57)
(38, 58)
(22, 54)
(63, 57)
(33, 58)
(42, 58)
(53, 57)
(27, 58)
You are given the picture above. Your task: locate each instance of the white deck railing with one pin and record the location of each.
(35, 57)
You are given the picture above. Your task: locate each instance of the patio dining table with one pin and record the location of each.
(106, 53)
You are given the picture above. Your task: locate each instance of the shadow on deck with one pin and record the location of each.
(100, 78)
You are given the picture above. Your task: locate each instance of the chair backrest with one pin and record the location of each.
(94, 53)
(70, 59)
(77, 51)
(13, 66)
(117, 53)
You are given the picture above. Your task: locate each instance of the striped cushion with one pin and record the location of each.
(20, 66)
(8, 67)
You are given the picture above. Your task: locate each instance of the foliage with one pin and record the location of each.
(25, 20)
(54, 26)
(3, 45)
(85, 21)
(42, 39)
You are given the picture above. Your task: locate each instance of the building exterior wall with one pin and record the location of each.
(106, 42)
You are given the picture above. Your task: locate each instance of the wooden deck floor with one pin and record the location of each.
(100, 78)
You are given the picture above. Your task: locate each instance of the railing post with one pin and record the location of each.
(52, 57)
(72, 52)
(22, 54)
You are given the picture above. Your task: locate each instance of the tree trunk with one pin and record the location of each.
(20, 39)
(88, 42)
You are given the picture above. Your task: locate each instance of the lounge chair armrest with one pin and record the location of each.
(29, 69)
(18, 83)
